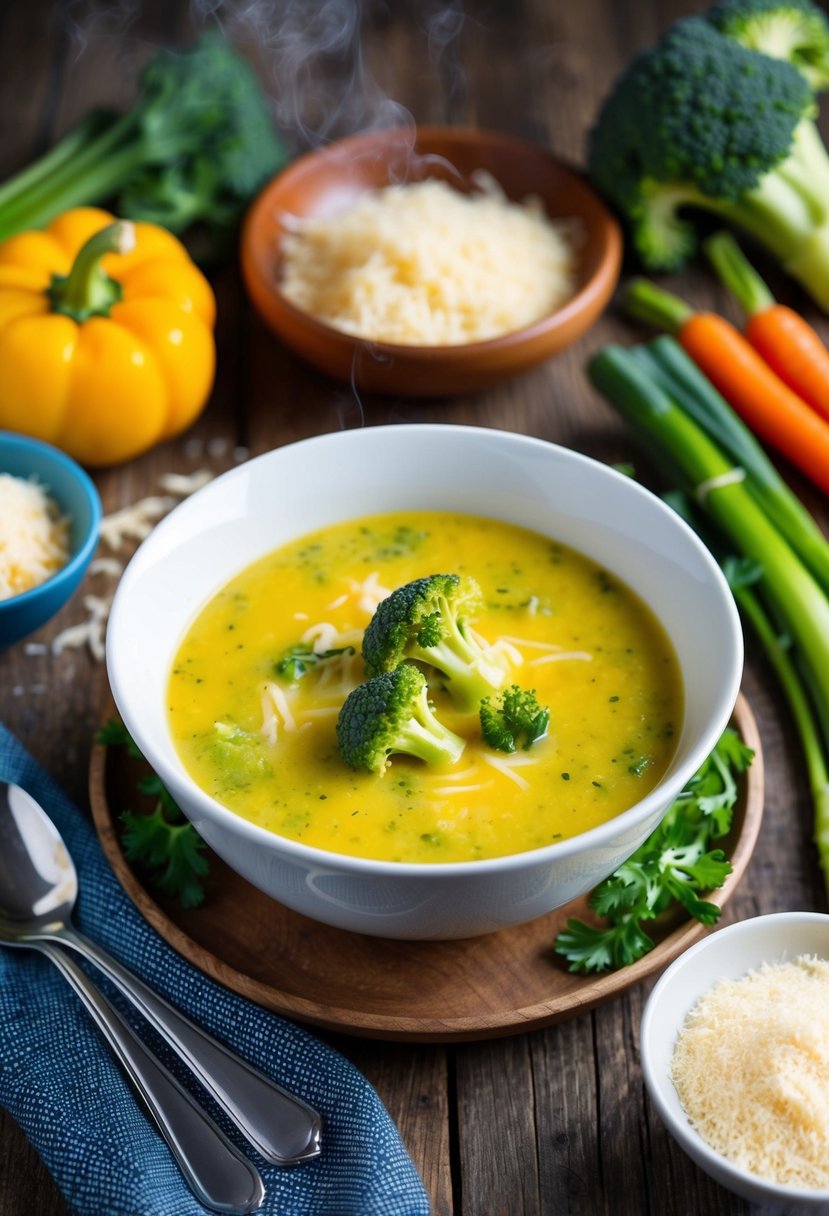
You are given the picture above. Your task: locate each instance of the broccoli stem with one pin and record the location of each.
(789, 212)
(471, 677)
(425, 737)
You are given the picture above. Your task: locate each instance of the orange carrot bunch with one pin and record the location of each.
(776, 376)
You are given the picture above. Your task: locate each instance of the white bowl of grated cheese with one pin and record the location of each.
(735, 1056)
(429, 262)
(49, 517)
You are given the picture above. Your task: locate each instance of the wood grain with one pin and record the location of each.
(555, 1120)
(499, 984)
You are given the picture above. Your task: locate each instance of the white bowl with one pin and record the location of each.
(727, 954)
(295, 489)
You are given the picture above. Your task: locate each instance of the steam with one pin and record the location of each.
(312, 58)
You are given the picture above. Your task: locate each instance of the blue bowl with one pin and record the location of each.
(73, 490)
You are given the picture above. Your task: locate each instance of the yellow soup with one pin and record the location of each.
(265, 745)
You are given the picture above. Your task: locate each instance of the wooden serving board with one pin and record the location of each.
(499, 984)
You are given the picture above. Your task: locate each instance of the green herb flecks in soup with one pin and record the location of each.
(259, 680)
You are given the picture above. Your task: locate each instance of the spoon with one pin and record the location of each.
(217, 1173)
(38, 889)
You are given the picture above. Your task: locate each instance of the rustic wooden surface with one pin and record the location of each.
(441, 992)
(548, 1122)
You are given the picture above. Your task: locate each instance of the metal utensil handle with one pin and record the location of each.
(221, 1178)
(281, 1127)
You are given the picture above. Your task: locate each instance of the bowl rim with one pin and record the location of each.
(656, 1082)
(11, 440)
(602, 279)
(214, 811)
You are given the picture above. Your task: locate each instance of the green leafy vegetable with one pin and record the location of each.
(514, 717)
(298, 660)
(674, 867)
(162, 840)
(194, 149)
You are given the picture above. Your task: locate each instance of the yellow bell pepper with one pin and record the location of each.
(106, 336)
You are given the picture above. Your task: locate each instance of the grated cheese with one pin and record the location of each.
(276, 713)
(751, 1069)
(423, 264)
(34, 536)
(508, 764)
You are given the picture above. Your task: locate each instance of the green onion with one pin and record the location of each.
(738, 498)
(665, 362)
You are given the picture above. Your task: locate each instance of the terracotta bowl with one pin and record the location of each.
(329, 180)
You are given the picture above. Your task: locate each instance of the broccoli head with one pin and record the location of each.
(391, 713)
(794, 30)
(513, 718)
(428, 621)
(700, 121)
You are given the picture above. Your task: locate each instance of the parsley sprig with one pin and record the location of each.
(161, 840)
(674, 866)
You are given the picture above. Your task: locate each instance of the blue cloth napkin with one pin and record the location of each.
(60, 1082)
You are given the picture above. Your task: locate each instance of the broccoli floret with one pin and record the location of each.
(237, 755)
(301, 658)
(700, 121)
(513, 717)
(391, 713)
(428, 621)
(794, 30)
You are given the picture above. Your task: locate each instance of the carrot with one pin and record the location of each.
(788, 343)
(775, 413)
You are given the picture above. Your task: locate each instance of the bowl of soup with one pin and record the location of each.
(429, 261)
(239, 633)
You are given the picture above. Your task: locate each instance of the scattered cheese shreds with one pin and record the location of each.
(424, 264)
(34, 536)
(184, 484)
(135, 522)
(276, 712)
(751, 1069)
(90, 632)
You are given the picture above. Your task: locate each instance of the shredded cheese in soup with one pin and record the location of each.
(424, 264)
(34, 536)
(261, 738)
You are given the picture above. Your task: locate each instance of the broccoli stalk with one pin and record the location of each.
(700, 121)
(794, 30)
(512, 718)
(391, 713)
(428, 621)
(196, 146)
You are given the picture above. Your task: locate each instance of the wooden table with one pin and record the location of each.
(549, 1122)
